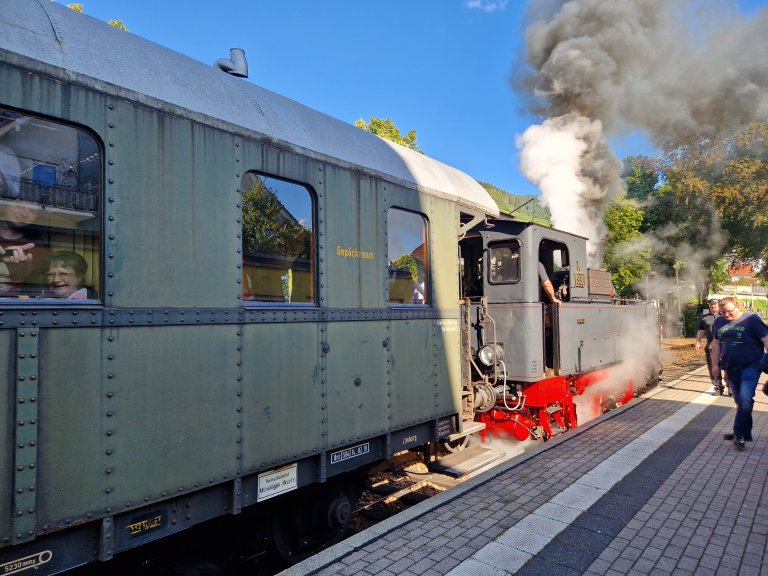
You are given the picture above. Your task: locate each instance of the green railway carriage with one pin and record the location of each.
(270, 300)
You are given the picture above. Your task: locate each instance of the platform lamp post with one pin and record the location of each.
(680, 322)
(648, 284)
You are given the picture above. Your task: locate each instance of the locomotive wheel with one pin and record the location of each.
(456, 445)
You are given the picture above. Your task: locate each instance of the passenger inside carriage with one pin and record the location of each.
(66, 274)
(22, 251)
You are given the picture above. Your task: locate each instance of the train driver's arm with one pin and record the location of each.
(547, 285)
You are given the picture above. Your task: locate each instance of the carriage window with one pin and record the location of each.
(407, 256)
(278, 252)
(50, 223)
(504, 263)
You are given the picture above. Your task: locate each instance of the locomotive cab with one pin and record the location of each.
(526, 357)
(501, 283)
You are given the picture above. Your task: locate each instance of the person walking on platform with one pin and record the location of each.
(705, 331)
(740, 343)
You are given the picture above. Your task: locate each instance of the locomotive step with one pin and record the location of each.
(468, 428)
(466, 461)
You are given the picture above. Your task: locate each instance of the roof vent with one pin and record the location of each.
(235, 65)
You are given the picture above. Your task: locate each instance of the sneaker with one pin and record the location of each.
(731, 436)
(738, 441)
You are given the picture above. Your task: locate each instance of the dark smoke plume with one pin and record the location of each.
(671, 69)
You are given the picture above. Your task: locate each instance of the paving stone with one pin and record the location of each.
(664, 508)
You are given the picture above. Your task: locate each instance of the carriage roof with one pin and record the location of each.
(63, 43)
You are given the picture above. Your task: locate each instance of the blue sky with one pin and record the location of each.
(440, 67)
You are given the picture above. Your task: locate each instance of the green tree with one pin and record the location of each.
(627, 251)
(387, 129)
(116, 23)
(268, 228)
(641, 176)
(524, 208)
(718, 274)
(730, 174)
(410, 263)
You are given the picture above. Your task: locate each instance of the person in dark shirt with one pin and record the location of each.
(705, 331)
(740, 341)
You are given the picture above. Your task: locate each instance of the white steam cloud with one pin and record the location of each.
(669, 68)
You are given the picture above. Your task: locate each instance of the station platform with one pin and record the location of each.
(649, 488)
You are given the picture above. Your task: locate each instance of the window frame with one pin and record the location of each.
(61, 214)
(488, 267)
(313, 260)
(427, 266)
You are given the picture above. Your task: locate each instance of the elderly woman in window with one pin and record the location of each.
(66, 273)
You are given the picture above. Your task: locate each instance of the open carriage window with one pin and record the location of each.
(407, 254)
(278, 241)
(50, 210)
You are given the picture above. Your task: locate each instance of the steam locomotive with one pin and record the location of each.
(236, 305)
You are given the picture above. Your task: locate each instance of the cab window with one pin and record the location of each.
(278, 241)
(407, 254)
(50, 210)
(504, 263)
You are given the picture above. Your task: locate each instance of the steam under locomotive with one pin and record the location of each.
(236, 305)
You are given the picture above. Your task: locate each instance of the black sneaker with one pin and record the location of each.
(730, 436)
(738, 441)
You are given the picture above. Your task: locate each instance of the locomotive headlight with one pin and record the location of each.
(490, 354)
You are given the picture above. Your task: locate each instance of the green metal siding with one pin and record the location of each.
(412, 372)
(7, 418)
(358, 393)
(72, 462)
(282, 393)
(354, 223)
(177, 414)
(173, 212)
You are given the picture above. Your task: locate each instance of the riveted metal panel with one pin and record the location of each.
(446, 349)
(443, 236)
(412, 372)
(283, 400)
(359, 400)
(594, 336)
(174, 398)
(520, 331)
(7, 394)
(26, 423)
(174, 214)
(71, 450)
(356, 260)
